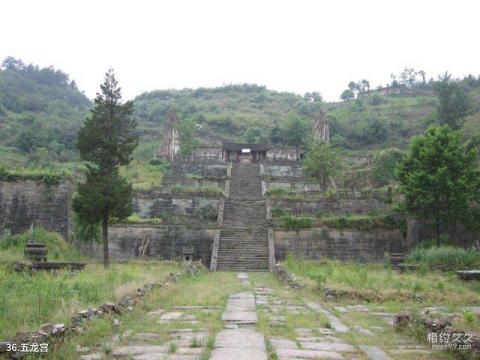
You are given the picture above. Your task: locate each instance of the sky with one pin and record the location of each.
(297, 46)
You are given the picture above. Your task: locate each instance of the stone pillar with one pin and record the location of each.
(413, 233)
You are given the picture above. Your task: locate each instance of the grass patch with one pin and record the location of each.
(362, 222)
(143, 175)
(296, 223)
(375, 283)
(445, 258)
(12, 246)
(45, 175)
(136, 219)
(27, 301)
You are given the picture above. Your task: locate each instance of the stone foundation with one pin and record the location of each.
(345, 245)
(23, 203)
(165, 242)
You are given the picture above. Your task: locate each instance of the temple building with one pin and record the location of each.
(237, 152)
(244, 153)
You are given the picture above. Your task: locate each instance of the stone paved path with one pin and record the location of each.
(182, 342)
(239, 340)
(314, 342)
(332, 337)
(266, 321)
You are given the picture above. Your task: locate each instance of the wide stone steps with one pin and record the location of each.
(244, 238)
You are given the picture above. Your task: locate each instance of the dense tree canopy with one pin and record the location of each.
(321, 162)
(454, 102)
(439, 178)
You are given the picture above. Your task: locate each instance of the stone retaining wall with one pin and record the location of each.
(346, 245)
(159, 205)
(165, 242)
(333, 206)
(23, 203)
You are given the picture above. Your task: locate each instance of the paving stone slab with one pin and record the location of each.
(337, 325)
(327, 346)
(238, 354)
(158, 312)
(307, 354)
(240, 316)
(326, 338)
(171, 316)
(196, 307)
(94, 356)
(127, 350)
(283, 343)
(166, 357)
(147, 336)
(363, 331)
(374, 353)
(242, 343)
(242, 276)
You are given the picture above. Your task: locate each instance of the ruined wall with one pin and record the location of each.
(332, 206)
(199, 173)
(23, 203)
(208, 152)
(291, 154)
(158, 205)
(345, 245)
(286, 170)
(164, 242)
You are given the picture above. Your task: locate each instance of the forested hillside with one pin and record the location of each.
(41, 110)
(237, 112)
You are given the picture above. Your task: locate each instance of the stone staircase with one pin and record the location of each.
(243, 244)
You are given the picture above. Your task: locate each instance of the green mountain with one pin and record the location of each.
(41, 110)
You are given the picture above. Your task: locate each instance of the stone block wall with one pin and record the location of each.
(158, 205)
(293, 170)
(23, 203)
(164, 242)
(345, 245)
(331, 206)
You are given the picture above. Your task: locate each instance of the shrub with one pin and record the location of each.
(156, 161)
(46, 176)
(375, 100)
(445, 257)
(296, 222)
(384, 164)
(208, 213)
(12, 246)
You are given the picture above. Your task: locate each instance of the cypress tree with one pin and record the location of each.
(106, 141)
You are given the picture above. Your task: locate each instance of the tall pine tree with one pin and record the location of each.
(106, 141)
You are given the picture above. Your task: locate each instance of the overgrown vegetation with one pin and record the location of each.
(46, 176)
(440, 180)
(12, 246)
(445, 258)
(375, 283)
(28, 301)
(41, 111)
(296, 223)
(363, 222)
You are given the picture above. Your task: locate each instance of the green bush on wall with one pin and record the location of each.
(445, 258)
(296, 222)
